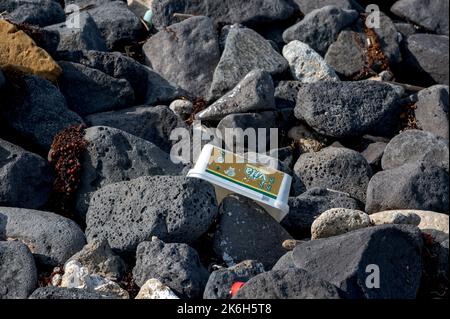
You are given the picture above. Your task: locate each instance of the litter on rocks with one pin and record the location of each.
(231, 173)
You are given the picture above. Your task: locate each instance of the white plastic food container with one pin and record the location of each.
(230, 173)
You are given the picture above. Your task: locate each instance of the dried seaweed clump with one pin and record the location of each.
(65, 157)
(376, 59)
(199, 105)
(408, 119)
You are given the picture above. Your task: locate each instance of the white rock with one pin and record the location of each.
(154, 289)
(428, 220)
(337, 221)
(307, 65)
(182, 108)
(77, 276)
(395, 217)
(56, 280)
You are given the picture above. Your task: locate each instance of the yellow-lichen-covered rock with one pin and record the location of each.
(19, 52)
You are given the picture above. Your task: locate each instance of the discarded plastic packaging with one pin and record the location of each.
(231, 173)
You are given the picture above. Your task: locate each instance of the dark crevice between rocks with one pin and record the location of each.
(433, 285)
(65, 158)
(45, 276)
(408, 119)
(204, 248)
(129, 284)
(134, 51)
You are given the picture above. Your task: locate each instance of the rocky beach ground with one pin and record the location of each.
(93, 207)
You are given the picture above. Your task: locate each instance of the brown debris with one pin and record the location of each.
(129, 285)
(65, 157)
(376, 57)
(45, 278)
(199, 105)
(376, 60)
(408, 119)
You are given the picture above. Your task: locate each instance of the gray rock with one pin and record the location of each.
(149, 87)
(86, 37)
(37, 111)
(254, 93)
(118, 66)
(51, 238)
(176, 265)
(347, 260)
(307, 66)
(82, 3)
(374, 152)
(153, 124)
(411, 186)
(346, 109)
(249, 12)
(248, 120)
(161, 91)
(27, 178)
(285, 155)
(285, 262)
(340, 169)
(347, 54)
(337, 221)
(306, 6)
(220, 281)
(18, 275)
(247, 231)
(432, 110)
(321, 27)
(91, 91)
(35, 12)
(245, 50)
(426, 55)
(304, 209)
(406, 29)
(389, 39)
(67, 293)
(235, 140)
(173, 208)
(98, 258)
(113, 156)
(431, 15)
(118, 25)
(288, 284)
(286, 93)
(186, 53)
(414, 145)
(183, 108)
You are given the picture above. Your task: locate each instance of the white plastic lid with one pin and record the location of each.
(231, 173)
